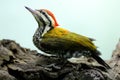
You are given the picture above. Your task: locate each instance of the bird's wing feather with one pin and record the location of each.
(60, 38)
(92, 39)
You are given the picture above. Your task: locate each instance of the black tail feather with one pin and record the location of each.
(101, 61)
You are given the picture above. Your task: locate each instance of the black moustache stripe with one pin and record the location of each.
(42, 27)
(47, 18)
(40, 18)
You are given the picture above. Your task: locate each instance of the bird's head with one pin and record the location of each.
(44, 17)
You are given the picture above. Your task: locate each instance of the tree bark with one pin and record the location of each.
(18, 63)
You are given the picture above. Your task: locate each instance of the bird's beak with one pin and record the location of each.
(31, 10)
(34, 12)
(36, 15)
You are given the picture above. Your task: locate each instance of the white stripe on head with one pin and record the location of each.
(46, 29)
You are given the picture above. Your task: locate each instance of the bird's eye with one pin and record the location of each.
(43, 13)
(40, 11)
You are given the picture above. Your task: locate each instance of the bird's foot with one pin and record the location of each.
(52, 67)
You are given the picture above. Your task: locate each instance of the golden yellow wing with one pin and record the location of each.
(59, 38)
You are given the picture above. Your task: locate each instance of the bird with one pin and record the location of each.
(51, 38)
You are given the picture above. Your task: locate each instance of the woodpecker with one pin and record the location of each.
(52, 39)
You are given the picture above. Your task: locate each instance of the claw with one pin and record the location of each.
(52, 67)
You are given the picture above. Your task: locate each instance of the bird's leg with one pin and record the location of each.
(60, 63)
(52, 67)
(56, 65)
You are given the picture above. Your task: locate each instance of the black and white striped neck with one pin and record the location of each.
(41, 31)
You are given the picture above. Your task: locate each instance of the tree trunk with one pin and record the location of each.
(18, 63)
